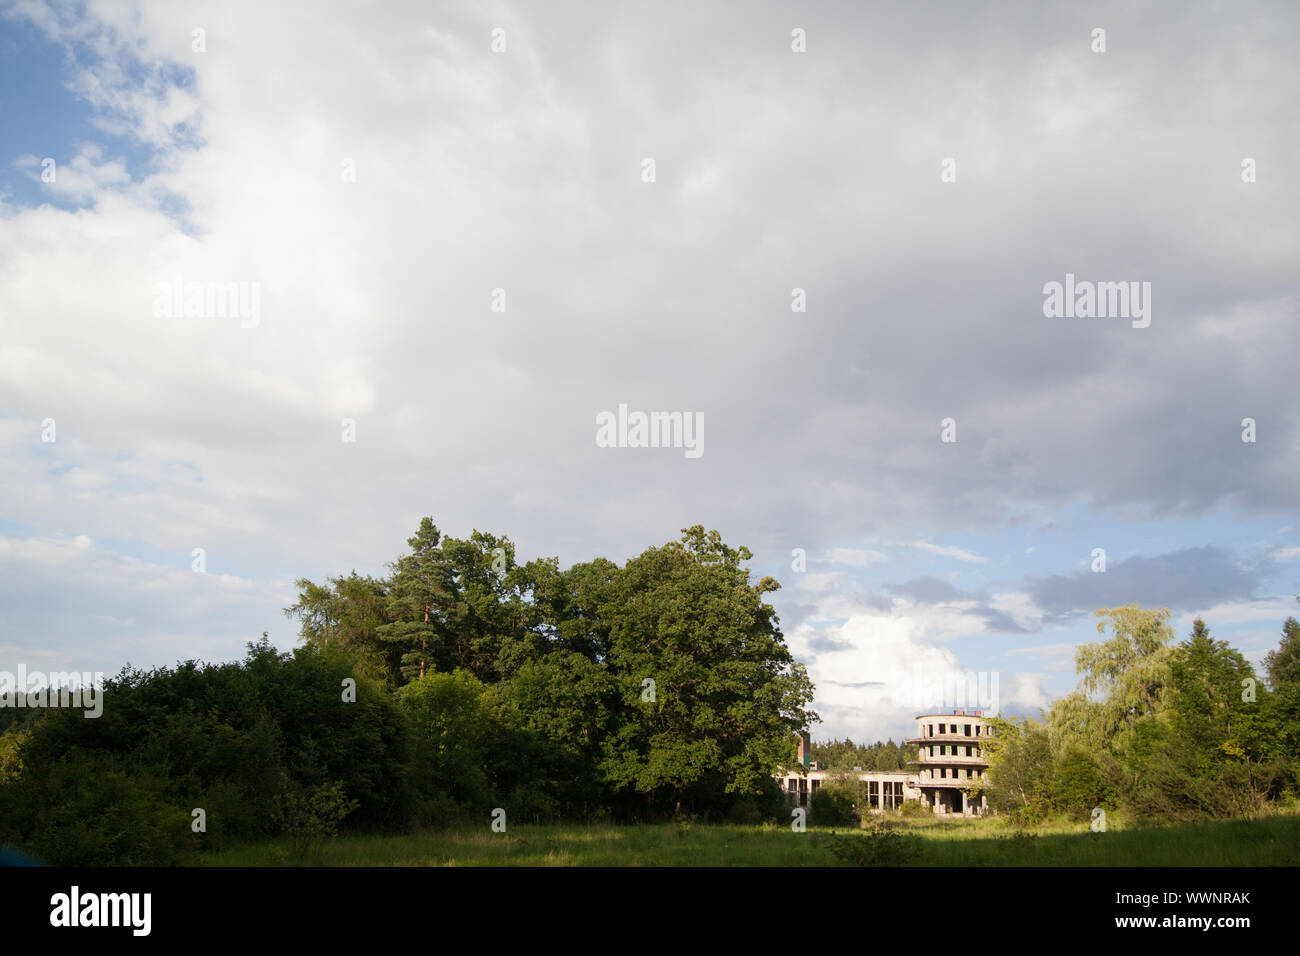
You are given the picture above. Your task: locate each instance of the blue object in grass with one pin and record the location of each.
(11, 857)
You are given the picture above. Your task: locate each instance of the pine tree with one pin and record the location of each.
(421, 595)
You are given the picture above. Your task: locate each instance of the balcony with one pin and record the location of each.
(949, 739)
(949, 760)
(948, 783)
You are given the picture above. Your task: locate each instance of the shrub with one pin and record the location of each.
(87, 811)
(915, 810)
(881, 845)
(832, 807)
(307, 816)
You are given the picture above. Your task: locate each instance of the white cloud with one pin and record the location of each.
(1020, 607)
(1025, 695)
(477, 171)
(961, 554)
(867, 686)
(72, 605)
(856, 557)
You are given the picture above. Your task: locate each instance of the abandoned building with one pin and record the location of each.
(949, 773)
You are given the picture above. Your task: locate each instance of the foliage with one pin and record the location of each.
(1283, 669)
(845, 755)
(728, 697)
(659, 687)
(835, 804)
(1018, 751)
(880, 845)
(308, 816)
(1121, 679)
(234, 740)
(1077, 786)
(1211, 751)
(94, 810)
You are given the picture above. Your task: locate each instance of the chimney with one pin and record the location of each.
(805, 748)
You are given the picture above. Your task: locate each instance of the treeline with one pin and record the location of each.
(1163, 731)
(845, 755)
(460, 683)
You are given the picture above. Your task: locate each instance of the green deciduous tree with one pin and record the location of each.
(1019, 752)
(727, 696)
(1120, 679)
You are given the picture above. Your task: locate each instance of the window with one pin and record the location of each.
(967, 730)
(941, 730)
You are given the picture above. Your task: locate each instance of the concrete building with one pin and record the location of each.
(949, 775)
(951, 764)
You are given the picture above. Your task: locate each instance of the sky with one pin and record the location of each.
(453, 257)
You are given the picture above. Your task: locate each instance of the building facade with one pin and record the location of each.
(951, 766)
(950, 770)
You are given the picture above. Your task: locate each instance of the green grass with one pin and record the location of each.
(1269, 841)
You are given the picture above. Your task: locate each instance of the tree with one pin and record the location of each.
(1077, 784)
(837, 803)
(1283, 668)
(346, 614)
(1018, 752)
(488, 620)
(1208, 751)
(452, 723)
(1283, 664)
(1120, 679)
(726, 698)
(421, 595)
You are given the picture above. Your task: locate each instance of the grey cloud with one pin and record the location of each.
(925, 590)
(1185, 580)
(776, 170)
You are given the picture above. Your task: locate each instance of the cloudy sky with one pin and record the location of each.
(375, 175)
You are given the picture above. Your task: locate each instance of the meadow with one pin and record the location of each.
(1266, 841)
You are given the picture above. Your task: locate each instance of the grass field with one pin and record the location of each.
(1269, 841)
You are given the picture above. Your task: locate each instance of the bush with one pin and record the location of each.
(881, 845)
(1077, 784)
(263, 746)
(308, 816)
(915, 810)
(832, 807)
(91, 812)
